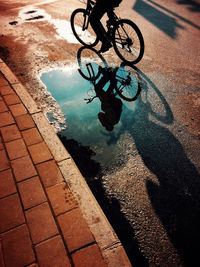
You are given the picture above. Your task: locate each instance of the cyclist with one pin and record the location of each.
(100, 8)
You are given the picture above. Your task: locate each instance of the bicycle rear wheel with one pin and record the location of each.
(128, 87)
(128, 41)
(82, 30)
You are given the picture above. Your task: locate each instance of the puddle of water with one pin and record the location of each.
(70, 89)
(31, 13)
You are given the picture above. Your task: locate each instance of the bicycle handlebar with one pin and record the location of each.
(89, 100)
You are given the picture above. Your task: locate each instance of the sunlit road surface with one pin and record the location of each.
(157, 188)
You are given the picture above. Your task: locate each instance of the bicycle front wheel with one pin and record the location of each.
(128, 41)
(82, 29)
(90, 61)
(128, 86)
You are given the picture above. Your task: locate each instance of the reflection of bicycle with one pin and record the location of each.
(124, 78)
(124, 34)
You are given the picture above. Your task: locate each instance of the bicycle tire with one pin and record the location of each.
(86, 37)
(131, 49)
(130, 91)
(89, 54)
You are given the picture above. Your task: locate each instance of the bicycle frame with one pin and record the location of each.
(86, 16)
(91, 72)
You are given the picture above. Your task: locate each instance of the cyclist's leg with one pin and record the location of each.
(95, 17)
(113, 81)
(100, 85)
(97, 13)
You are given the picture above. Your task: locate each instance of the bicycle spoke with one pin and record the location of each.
(128, 41)
(82, 29)
(90, 61)
(127, 85)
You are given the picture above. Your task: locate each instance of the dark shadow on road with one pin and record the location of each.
(160, 19)
(193, 5)
(175, 15)
(91, 170)
(176, 200)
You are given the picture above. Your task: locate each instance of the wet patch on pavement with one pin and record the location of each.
(70, 89)
(30, 14)
(13, 22)
(35, 18)
(62, 27)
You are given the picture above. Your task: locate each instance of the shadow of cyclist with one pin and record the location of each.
(175, 198)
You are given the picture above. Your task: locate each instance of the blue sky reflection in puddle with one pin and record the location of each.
(70, 89)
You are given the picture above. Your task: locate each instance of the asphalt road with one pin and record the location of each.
(157, 190)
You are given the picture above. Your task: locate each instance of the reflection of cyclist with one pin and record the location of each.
(99, 9)
(110, 105)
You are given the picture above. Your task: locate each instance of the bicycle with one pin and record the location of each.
(124, 77)
(124, 35)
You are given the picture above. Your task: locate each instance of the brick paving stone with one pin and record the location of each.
(11, 212)
(49, 173)
(12, 99)
(41, 223)
(61, 198)
(1, 143)
(17, 247)
(52, 252)
(6, 90)
(3, 107)
(31, 192)
(16, 149)
(39, 152)
(7, 184)
(3, 81)
(23, 168)
(6, 118)
(10, 133)
(2, 263)
(25, 122)
(75, 229)
(88, 257)
(32, 136)
(18, 110)
(4, 163)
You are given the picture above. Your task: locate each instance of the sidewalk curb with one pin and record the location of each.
(108, 242)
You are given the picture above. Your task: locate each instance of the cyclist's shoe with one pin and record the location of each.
(105, 47)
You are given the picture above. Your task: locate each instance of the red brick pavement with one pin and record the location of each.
(41, 223)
